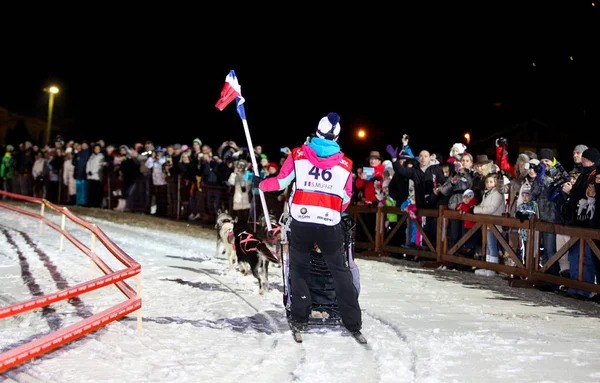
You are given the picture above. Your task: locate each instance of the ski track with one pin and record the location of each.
(57, 315)
(400, 334)
(387, 357)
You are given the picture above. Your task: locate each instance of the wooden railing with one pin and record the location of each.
(531, 271)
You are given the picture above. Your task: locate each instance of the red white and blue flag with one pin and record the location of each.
(232, 91)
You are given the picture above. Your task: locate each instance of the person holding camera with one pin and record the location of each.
(557, 176)
(513, 188)
(542, 188)
(454, 189)
(557, 173)
(579, 210)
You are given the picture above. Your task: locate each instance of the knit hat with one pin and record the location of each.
(469, 193)
(273, 165)
(591, 154)
(177, 146)
(526, 189)
(458, 147)
(329, 127)
(197, 140)
(546, 154)
(580, 148)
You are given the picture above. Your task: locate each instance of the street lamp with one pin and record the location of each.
(51, 91)
(468, 138)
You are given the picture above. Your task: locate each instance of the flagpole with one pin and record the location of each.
(232, 90)
(255, 166)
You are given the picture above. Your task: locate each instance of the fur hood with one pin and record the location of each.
(525, 159)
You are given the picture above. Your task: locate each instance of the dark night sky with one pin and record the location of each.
(404, 74)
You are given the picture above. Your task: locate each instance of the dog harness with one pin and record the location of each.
(248, 242)
(272, 235)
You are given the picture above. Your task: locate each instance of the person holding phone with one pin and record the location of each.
(371, 174)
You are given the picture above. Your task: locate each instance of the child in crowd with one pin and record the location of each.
(466, 206)
(525, 210)
(410, 206)
(391, 219)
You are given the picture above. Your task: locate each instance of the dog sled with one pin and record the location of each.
(324, 309)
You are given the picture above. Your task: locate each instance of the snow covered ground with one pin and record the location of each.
(202, 322)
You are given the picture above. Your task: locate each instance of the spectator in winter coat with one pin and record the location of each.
(366, 182)
(80, 160)
(580, 211)
(491, 204)
(466, 206)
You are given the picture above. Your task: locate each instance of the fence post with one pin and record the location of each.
(60, 181)
(109, 190)
(178, 203)
(62, 235)
(530, 250)
(42, 214)
(139, 295)
(441, 232)
(378, 230)
(93, 249)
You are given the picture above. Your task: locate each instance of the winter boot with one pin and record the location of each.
(297, 325)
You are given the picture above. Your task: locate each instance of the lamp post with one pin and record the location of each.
(468, 138)
(51, 91)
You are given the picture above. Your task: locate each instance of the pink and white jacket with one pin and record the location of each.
(287, 172)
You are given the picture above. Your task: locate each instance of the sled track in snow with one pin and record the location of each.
(403, 337)
(273, 324)
(53, 318)
(302, 358)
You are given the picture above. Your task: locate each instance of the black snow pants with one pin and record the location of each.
(330, 240)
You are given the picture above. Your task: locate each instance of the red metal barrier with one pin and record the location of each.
(58, 338)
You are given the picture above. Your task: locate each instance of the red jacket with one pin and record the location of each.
(368, 187)
(502, 161)
(466, 207)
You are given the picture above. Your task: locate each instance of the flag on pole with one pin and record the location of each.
(232, 91)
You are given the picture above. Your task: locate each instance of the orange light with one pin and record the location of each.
(468, 137)
(361, 133)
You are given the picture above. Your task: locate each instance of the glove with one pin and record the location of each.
(520, 216)
(392, 151)
(256, 180)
